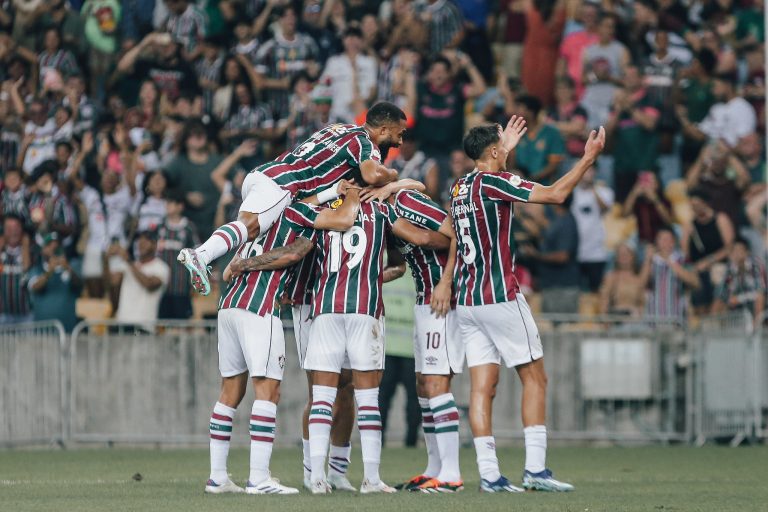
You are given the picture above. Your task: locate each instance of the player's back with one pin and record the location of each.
(482, 211)
(330, 154)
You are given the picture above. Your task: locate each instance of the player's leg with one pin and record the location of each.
(263, 203)
(306, 460)
(302, 324)
(341, 432)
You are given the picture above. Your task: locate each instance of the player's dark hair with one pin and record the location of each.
(384, 113)
(479, 138)
(531, 103)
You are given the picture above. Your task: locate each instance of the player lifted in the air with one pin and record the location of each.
(493, 317)
(314, 168)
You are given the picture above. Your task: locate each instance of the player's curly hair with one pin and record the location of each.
(384, 113)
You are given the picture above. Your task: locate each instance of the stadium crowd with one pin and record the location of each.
(127, 129)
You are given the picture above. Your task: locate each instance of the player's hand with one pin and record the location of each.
(346, 185)
(512, 134)
(441, 299)
(370, 194)
(595, 144)
(247, 148)
(236, 267)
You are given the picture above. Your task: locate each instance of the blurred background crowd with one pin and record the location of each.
(127, 128)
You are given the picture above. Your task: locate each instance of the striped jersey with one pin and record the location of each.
(349, 264)
(171, 238)
(260, 291)
(303, 275)
(14, 295)
(482, 210)
(331, 154)
(426, 265)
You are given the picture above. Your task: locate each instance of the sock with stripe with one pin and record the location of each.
(227, 237)
(221, 433)
(446, 418)
(262, 429)
(307, 462)
(320, 421)
(428, 426)
(369, 424)
(487, 463)
(339, 458)
(535, 448)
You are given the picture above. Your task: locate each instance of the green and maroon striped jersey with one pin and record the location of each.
(426, 265)
(482, 210)
(171, 238)
(14, 295)
(331, 154)
(349, 264)
(303, 276)
(260, 291)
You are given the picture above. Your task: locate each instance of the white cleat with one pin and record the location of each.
(270, 486)
(198, 273)
(228, 487)
(340, 483)
(320, 487)
(379, 487)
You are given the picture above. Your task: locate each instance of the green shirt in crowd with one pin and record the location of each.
(190, 177)
(533, 154)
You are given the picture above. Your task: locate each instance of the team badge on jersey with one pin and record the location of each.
(515, 180)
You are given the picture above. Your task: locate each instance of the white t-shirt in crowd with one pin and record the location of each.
(118, 207)
(589, 221)
(97, 222)
(43, 146)
(137, 304)
(338, 76)
(730, 121)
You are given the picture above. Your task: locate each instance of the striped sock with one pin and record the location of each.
(428, 426)
(227, 237)
(339, 458)
(369, 424)
(320, 421)
(262, 429)
(221, 432)
(447, 436)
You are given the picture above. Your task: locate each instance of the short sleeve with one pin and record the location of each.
(557, 144)
(388, 211)
(360, 149)
(419, 209)
(505, 186)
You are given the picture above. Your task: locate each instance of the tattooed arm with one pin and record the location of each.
(281, 257)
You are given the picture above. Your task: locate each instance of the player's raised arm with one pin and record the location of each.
(562, 188)
(382, 193)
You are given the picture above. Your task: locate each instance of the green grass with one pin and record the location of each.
(610, 479)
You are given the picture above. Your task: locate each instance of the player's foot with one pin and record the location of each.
(340, 483)
(500, 485)
(320, 487)
(307, 483)
(227, 487)
(270, 486)
(433, 485)
(198, 272)
(413, 483)
(369, 488)
(543, 481)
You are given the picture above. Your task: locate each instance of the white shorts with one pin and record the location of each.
(437, 346)
(93, 262)
(264, 197)
(302, 323)
(493, 332)
(334, 336)
(251, 342)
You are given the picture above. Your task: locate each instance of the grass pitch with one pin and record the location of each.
(610, 479)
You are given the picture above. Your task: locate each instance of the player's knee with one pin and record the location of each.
(251, 221)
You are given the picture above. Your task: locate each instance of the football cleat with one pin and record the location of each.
(543, 481)
(227, 487)
(270, 486)
(340, 483)
(413, 483)
(198, 272)
(320, 487)
(369, 488)
(500, 485)
(434, 485)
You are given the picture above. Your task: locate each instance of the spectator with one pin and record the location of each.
(315, 23)
(729, 119)
(38, 144)
(572, 48)
(744, 285)
(83, 108)
(188, 25)
(651, 209)
(570, 119)
(509, 52)
(149, 211)
(623, 289)
(49, 210)
(63, 16)
(599, 94)
(54, 56)
(281, 58)
(541, 150)
(591, 201)
(408, 30)
(143, 282)
(475, 43)
(446, 25)
(310, 111)
(93, 271)
(209, 67)
(697, 99)
(660, 72)
(174, 234)
(706, 242)
(752, 154)
(414, 164)
(544, 21)
(557, 267)
(632, 126)
(606, 50)
(102, 19)
(136, 21)
(667, 278)
(15, 261)
(351, 78)
(233, 73)
(13, 198)
(55, 285)
(247, 120)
